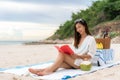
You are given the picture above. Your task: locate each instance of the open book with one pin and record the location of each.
(65, 49)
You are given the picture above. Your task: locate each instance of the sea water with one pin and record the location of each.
(13, 42)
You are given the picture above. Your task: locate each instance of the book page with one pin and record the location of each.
(65, 49)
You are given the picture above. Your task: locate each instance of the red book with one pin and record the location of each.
(65, 49)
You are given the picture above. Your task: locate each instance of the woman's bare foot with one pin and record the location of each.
(35, 71)
(40, 72)
(44, 72)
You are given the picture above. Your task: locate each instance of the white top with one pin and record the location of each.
(88, 46)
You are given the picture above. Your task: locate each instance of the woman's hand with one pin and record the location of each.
(85, 59)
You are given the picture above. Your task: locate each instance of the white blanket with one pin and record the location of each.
(61, 74)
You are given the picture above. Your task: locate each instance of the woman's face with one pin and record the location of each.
(80, 28)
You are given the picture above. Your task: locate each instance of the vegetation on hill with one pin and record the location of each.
(100, 11)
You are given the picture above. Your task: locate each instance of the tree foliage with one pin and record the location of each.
(100, 11)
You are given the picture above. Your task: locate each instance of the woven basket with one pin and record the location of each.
(105, 41)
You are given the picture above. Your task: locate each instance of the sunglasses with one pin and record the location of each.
(79, 20)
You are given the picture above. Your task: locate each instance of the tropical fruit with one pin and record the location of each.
(99, 45)
(85, 65)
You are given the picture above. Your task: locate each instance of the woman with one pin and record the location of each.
(84, 46)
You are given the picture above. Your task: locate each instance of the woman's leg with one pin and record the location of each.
(35, 71)
(63, 60)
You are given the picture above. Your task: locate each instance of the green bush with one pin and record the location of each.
(114, 34)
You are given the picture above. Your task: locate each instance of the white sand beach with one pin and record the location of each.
(20, 55)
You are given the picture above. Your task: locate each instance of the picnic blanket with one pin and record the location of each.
(60, 74)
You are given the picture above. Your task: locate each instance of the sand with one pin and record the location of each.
(20, 55)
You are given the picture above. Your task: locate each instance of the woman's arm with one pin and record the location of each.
(84, 56)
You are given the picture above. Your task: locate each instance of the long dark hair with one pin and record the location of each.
(77, 36)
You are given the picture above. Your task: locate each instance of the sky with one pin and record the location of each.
(36, 19)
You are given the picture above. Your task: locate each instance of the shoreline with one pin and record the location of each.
(49, 42)
(115, 40)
